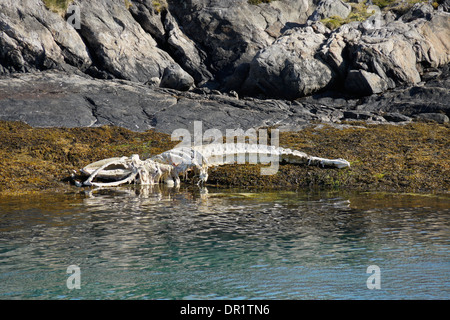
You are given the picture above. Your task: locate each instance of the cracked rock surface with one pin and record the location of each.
(163, 65)
(62, 99)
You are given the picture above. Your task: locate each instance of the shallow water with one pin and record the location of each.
(224, 244)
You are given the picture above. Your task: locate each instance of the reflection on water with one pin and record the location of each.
(152, 243)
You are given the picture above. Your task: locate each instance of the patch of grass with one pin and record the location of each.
(58, 6)
(128, 4)
(160, 5)
(398, 7)
(360, 11)
(333, 22)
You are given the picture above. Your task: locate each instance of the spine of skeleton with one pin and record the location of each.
(240, 153)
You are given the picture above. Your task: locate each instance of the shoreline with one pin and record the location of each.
(408, 158)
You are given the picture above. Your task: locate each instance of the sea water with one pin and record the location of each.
(152, 243)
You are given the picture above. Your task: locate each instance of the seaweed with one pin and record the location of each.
(393, 158)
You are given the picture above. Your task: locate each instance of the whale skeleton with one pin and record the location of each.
(170, 165)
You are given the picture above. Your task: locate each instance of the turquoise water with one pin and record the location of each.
(224, 244)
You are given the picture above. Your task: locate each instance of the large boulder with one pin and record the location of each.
(174, 77)
(186, 52)
(432, 44)
(232, 32)
(335, 51)
(359, 57)
(35, 38)
(398, 52)
(118, 42)
(331, 8)
(289, 67)
(365, 83)
(390, 56)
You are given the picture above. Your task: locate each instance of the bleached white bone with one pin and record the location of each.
(169, 165)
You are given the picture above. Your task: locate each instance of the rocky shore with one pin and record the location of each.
(146, 64)
(61, 99)
(141, 65)
(413, 157)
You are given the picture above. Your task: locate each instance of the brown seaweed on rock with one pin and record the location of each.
(403, 158)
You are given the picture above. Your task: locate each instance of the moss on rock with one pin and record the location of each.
(58, 6)
(361, 11)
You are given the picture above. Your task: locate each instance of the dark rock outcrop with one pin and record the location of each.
(62, 99)
(144, 64)
(331, 8)
(289, 68)
(34, 38)
(232, 32)
(365, 58)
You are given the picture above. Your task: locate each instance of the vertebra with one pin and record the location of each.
(169, 165)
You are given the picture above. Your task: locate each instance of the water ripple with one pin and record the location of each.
(225, 244)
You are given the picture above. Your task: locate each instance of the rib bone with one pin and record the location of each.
(169, 165)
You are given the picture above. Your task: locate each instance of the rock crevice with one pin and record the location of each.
(147, 65)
